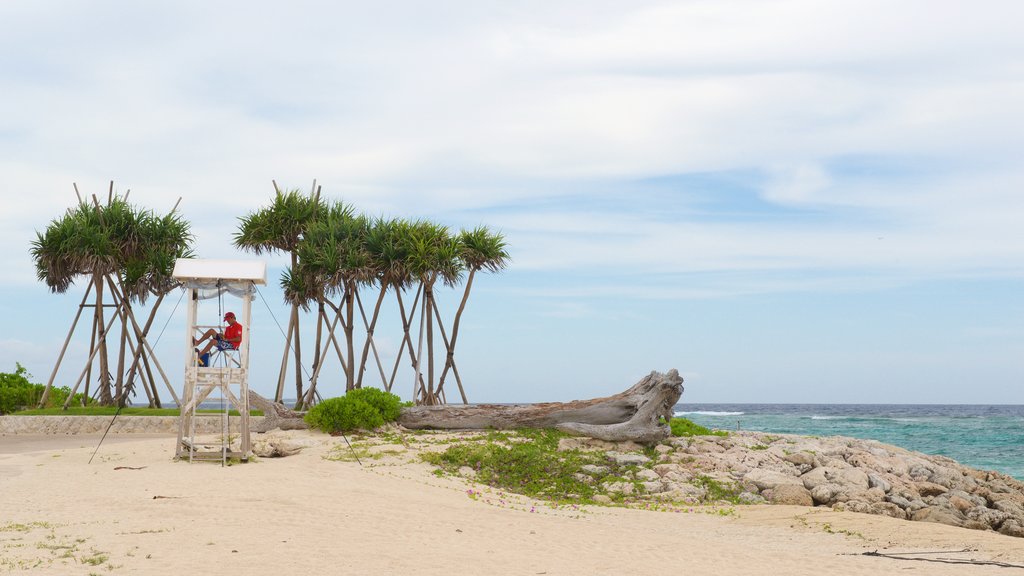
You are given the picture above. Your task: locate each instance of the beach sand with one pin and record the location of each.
(136, 511)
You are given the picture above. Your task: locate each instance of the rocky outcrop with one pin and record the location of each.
(842, 473)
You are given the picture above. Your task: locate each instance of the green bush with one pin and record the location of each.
(362, 409)
(684, 427)
(18, 393)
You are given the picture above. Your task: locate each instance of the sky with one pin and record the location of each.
(792, 201)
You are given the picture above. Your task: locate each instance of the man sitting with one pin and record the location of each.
(229, 340)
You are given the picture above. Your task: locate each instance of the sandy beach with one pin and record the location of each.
(136, 511)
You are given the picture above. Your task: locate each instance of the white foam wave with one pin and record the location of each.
(709, 413)
(816, 417)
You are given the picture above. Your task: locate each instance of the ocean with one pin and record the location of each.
(988, 437)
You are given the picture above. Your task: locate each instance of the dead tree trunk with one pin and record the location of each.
(639, 414)
(275, 415)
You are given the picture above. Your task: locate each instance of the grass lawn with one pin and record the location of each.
(110, 410)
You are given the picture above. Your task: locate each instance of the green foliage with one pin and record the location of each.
(534, 467)
(18, 393)
(717, 491)
(684, 427)
(360, 409)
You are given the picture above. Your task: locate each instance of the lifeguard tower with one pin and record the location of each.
(227, 374)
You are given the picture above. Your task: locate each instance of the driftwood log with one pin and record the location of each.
(275, 415)
(638, 414)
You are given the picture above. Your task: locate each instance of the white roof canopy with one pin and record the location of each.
(205, 271)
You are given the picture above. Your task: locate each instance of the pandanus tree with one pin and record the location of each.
(333, 260)
(125, 253)
(280, 227)
(432, 256)
(479, 249)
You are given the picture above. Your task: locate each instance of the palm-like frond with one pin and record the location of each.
(480, 248)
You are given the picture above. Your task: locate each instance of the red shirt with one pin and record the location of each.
(233, 331)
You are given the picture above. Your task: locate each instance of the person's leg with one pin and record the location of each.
(206, 335)
(209, 345)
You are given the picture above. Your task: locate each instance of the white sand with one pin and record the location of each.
(308, 515)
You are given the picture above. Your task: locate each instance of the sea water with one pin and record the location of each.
(988, 437)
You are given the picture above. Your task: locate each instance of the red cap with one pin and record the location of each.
(229, 315)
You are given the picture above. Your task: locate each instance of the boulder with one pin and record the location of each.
(768, 479)
(888, 509)
(1012, 527)
(791, 494)
(824, 493)
(992, 518)
(939, 516)
(800, 459)
(628, 459)
(930, 488)
(648, 475)
(876, 481)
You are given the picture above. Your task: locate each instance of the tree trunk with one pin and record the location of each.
(428, 309)
(350, 350)
(275, 415)
(369, 338)
(450, 360)
(104, 381)
(639, 414)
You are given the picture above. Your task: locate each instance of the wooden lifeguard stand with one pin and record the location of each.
(229, 375)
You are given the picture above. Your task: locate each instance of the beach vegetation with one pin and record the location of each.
(126, 254)
(686, 427)
(96, 410)
(362, 409)
(18, 393)
(716, 491)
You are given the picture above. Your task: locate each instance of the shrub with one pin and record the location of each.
(16, 392)
(684, 427)
(362, 409)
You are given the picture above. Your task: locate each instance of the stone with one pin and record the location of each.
(898, 500)
(817, 477)
(467, 472)
(663, 449)
(888, 509)
(768, 479)
(960, 504)
(648, 475)
(624, 488)
(1012, 527)
(1010, 507)
(791, 494)
(876, 481)
(938, 515)
(824, 493)
(750, 498)
(993, 518)
(852, 478)
(602, 499)
(628, 459)
(800, 458)
(930, 488)
(583, 478)
(592, 469)
(652, 487)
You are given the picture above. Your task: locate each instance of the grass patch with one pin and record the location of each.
(718, 491)
(528, 462)
(684, 427)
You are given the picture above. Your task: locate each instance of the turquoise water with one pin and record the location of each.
(989, 437)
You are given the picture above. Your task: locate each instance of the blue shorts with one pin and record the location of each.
(224, 344)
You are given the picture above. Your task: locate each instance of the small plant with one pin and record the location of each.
(684, 427)
(717, 491)
(758, 447)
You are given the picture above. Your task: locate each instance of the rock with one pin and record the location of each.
(1010, 507)
(624, 488)
(791, 494)
(876, 481)
(960, 504)
(938, 515)
(930, 488)
(592, 469)
(768, 479)
(682, 493)
(467, 472)
(888, 509)
(602, 499)
(852, 478)
(628, 459)
(1012, 527)
(975, 525)
(992, 518)
(817, 477)
(899, 501)
(824, 493)
(664, 469)
(920, 472)
(663, 449)
(750, 498)
(652, 487)
(583, 478)
(800, 458)
(648, 475)
(854, 506)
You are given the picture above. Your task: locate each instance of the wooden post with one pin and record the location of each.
(64, 349)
